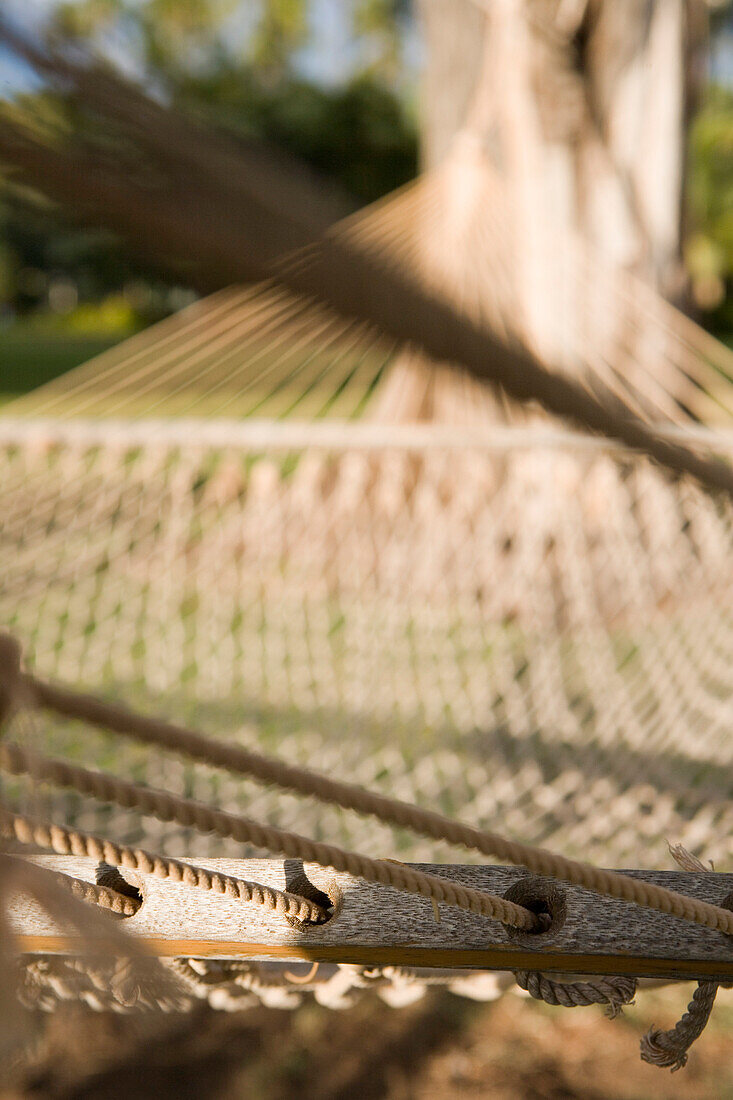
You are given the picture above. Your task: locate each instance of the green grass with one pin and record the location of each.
(30, 359)
(31, 356)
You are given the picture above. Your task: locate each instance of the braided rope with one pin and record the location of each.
(64, 841)
(207, 974)
(189, 813)
(613, 992)
(217, 753)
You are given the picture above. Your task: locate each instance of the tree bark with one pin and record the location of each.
(558, 130)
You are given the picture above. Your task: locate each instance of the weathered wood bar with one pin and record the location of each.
(377, 925)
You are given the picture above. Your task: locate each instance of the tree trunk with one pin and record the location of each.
(557, 130)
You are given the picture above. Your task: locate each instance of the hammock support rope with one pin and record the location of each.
(346, 796)
(226, 561)
(401, 877)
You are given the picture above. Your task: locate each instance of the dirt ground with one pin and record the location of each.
(442, 1047)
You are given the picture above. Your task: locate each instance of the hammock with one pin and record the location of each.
(215, 515)
(221, 522)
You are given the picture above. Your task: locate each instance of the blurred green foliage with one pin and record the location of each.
(240, 67)
(40, 248)
(31, 357)
(244, 79)
(360, 136)
(709, 245)
(172, 38)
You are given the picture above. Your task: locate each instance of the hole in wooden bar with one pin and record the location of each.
(110, 876)
(297, 882)
(545, 899)
(727, 902)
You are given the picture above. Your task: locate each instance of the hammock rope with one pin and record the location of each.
(613, 992)
(18, 690)
(570, 675)
(677, 677)
(206, 819)
(56, 838)
(669, 1049)
(364, 284)
(103, 896)
(345, 796)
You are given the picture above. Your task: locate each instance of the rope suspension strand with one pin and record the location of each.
(668, 1049)
(30, 830)
(289, 239)
(187, 812)
(345, 795)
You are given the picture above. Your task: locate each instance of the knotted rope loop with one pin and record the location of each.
(613, 992)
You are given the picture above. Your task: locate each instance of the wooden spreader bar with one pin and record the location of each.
(379, 926)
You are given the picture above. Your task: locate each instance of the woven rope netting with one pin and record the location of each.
(484, 614)
(281, 528)
(568, 680)
(279, 525)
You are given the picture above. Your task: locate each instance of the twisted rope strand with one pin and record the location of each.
(104, 896)
(669, 1048)
(197, 815)
(613, 992)
(153, 731)
(64, 841)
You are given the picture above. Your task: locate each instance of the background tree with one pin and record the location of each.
(237, 68)
(585, 104)
(582, 104)
(560, 129)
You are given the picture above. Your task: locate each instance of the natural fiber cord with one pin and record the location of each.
(73, 842)
(345, 795)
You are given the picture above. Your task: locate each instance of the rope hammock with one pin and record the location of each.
(136, 983)
(233, 520)
(295, 577)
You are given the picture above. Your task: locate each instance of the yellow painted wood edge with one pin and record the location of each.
(496, 958)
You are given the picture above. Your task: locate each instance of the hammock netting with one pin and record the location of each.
(568, 678)
(517, 625)
(530, 629)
